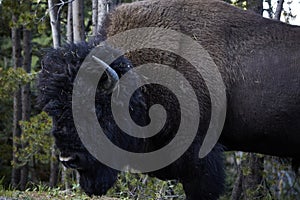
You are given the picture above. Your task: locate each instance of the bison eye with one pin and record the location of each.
(70, 161)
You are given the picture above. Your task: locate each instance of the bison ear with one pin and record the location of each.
(112, 75)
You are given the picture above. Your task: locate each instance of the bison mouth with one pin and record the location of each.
(97, 181)
(95, 178)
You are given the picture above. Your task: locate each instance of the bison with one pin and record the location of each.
(259, 63)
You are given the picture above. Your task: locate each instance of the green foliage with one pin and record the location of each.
(239, 3)
(12, 79)
(6, 157)
(279, 181)
(44, 192)
(35, 139)
(139, 186)
(29, 12)
(5, 53)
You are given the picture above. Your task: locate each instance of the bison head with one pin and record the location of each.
(59, 69)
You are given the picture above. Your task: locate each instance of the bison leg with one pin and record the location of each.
(206, 180)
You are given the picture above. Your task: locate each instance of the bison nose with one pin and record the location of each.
(65, 159)
(69, 161)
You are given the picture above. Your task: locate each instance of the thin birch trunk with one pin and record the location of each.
(102, 10)
(78, 21)
(70, 23)
(54, 22)
(95, 17)
(278, 11)
(54, 167)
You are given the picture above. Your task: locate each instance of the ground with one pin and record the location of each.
(18, 195)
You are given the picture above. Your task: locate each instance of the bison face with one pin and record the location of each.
(95, 177)
(55, 84)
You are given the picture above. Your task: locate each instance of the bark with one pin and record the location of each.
(70, 23)
(237, 188)
(54, 22)
(54, 167)
(33, 172)
(279, 8)
(77, 177)
(78, 21)
(255, 5)
(94, 17)
(26, 96)
(112, 4)
(251, 181)
(17, 104)
(269, 10)
(65, 174)
(102, 11)
(55, 28)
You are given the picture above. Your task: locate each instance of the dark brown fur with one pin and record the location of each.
(258, 58)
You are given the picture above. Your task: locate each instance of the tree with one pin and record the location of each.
(55, 29)
(102, 11)
(55, 23)
(278, 9)
(70, 34)
(100, 8)
(78, 21)
(94, 17)
(26, 96)
(17, 105)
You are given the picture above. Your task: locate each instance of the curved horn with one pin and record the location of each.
(112, 75)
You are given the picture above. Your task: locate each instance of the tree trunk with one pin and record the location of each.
(112, 4)
(33, 172)
(78, 21)
(70, 23)
(252, 177)
(102, 11)
(237, 190)
(55, 29)
(17, 104)
(94, 17)
(77, 177)
(54, 22)
(278, 11)
(26, 96)
(255, 5)
(54, 167)
(65, 174)
(269, 10)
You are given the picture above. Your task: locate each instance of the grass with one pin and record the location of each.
(54, 194)
(127, 187)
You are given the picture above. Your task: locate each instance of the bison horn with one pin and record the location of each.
(112, 75)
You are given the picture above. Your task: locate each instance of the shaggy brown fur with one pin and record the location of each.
(258, 58)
